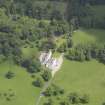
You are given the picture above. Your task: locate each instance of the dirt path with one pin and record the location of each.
(43, 89)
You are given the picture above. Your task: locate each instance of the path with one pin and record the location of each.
(43, 89)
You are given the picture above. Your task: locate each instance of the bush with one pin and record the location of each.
(9, 75)
(84, 99)
(31, 65)
(46, 75)
(75, 98)
(38, 82)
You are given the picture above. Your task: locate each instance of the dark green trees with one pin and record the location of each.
(46, 75)
(32, 66)
(9, 75)
(74, 98)
(38, 82)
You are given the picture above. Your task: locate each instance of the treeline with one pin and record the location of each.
(56, 9)
(83, 53)
(83, 10)
(39, 9)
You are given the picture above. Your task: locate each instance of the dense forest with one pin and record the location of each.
(23, 21)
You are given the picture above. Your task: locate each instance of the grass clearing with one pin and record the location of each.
(29, 52)
(21, 84)
(87, 77)
(88, 36)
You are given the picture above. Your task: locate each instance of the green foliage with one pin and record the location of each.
(82, 53)
(38, 82)
(46, 75)
(62, 48)
(9, 75)
(84, 99)
(2, 58)
(53, 90)
(49, 102)
(32, 66)
(74, 98)
(47, 44)
(64, 102)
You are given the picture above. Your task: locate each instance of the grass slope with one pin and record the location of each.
(21, 84)
(83, 77)
(87, 77)
(88, 36)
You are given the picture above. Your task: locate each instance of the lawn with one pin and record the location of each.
(88, 36)
(21, 86)
(83, 78)
(29, 52)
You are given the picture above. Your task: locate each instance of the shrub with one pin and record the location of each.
(38, 82)
(9, 75)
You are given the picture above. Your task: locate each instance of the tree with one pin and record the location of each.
(31, 65)
(88, 55)
(62, 48)
(64, 102)
(2, 58)
(103, 103)
(69, 43)
(48, 92)
(73, 98)
(82, 56)
(38, 82)
(49, 102)
(46, 75)
(9, 75)
(84, 99)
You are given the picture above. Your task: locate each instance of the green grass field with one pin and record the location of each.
(88, 36)
(87, 77)
(21, 85)
(83, 78)
(29, 52)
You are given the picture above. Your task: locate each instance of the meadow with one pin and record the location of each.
(18, 90)
(83, 78)
(89, 36)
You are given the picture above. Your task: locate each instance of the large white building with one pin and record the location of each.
(50, 62)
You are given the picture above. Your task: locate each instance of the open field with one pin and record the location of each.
(88, 36)
(83, 78)
(29, 52)
(21, 85)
